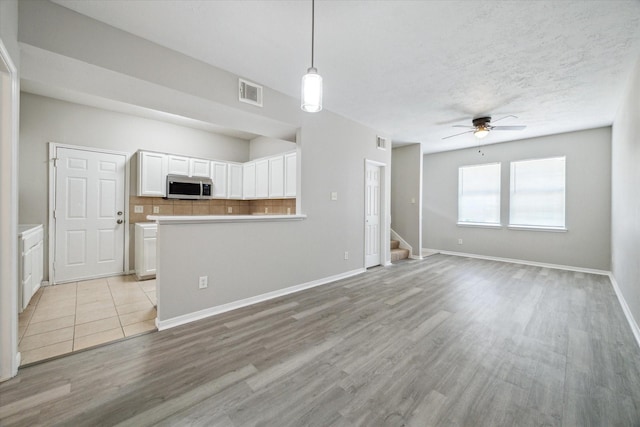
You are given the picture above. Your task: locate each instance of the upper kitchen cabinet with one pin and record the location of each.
(236, 180)
(290, 174)
(152, 174)
(178, 165)
(219, 178)
(276, 177)
(262, 179)
(249, 180)
(200, 167)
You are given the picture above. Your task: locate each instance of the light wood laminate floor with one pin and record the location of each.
(444, 341)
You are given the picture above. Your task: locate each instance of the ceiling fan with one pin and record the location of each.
(482, 126)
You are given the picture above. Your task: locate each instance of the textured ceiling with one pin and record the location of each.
(412, 69)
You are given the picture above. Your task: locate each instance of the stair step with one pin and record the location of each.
(395, 244)
(397, 254)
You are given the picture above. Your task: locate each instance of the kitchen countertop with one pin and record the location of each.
(195, 219)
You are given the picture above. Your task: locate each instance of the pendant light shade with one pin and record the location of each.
(312, 81)
(312, 91)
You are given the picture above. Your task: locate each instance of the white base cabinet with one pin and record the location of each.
(31, 259)
(145, 249)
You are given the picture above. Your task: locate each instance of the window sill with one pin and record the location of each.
(478, 225)
(536, 228)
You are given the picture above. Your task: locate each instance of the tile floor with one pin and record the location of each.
(72, 316)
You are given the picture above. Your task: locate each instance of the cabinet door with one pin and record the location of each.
(200, 167)
(276, 177)
(152, 174)
(262, 178)
(37, 261)
(236, 180)
(249, 180)
(219, 177)
(290, 174)
(178, 165)
(149, 258)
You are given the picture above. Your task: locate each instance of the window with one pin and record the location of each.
(538, 193)
(479, 194)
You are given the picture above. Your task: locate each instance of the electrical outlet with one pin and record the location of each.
(334, 195)
(138, 209)
(229, 209)
(203, 282)
(156, 209)
(459, 241)
(266, 210)
(346, 254)
(288, 211)
(413, 200)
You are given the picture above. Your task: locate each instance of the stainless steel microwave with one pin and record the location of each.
(189, 187)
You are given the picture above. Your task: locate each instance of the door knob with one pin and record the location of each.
(120, 221)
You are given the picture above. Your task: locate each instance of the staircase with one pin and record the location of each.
(398, 253)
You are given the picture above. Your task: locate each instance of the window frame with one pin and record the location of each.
(479, 224)
(536, 227)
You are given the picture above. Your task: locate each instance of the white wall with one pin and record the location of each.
(101, 61)
(406, 195)
(586, 244)
(625, 206)
(264, 146)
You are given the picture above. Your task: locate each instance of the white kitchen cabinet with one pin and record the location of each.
(200, 167)
(145, 249)
(262, 178)
(152, 174)
(178, 165)
(249, 180)
(290, 174)
(235, 181)
(276, 177)
(30, 264)
(219, 178)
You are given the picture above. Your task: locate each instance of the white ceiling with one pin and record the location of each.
(412, 69)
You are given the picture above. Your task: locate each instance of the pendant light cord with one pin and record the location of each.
(313, 20)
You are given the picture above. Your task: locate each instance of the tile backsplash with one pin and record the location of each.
(208, 207)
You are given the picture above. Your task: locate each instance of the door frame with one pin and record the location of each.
(53, 147)
(385, 222)
(9, 112)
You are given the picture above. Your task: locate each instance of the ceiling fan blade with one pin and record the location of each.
(457, 134)
(505, 117)
(520, 127)
(462, 126)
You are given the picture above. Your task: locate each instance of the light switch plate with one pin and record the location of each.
(334, 195)
(138, 209)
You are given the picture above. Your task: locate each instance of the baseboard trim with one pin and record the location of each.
(625, 308)
(415, 257)
(536, 264)
(212, 311)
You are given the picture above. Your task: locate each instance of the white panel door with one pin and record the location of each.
(89, 214)
(276, 177)
(372, 216)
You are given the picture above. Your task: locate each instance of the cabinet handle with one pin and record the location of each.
(120, 221)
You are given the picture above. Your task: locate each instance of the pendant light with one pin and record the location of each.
(312, 81)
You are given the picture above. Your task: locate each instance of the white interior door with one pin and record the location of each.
(372, 216)
(88, 214)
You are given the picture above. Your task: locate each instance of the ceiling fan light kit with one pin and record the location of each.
(481, 126)
(312, 81)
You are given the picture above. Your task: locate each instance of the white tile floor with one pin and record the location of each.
(72, 316)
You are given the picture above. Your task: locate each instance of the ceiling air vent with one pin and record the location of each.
(381, 143)
(249, 92)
